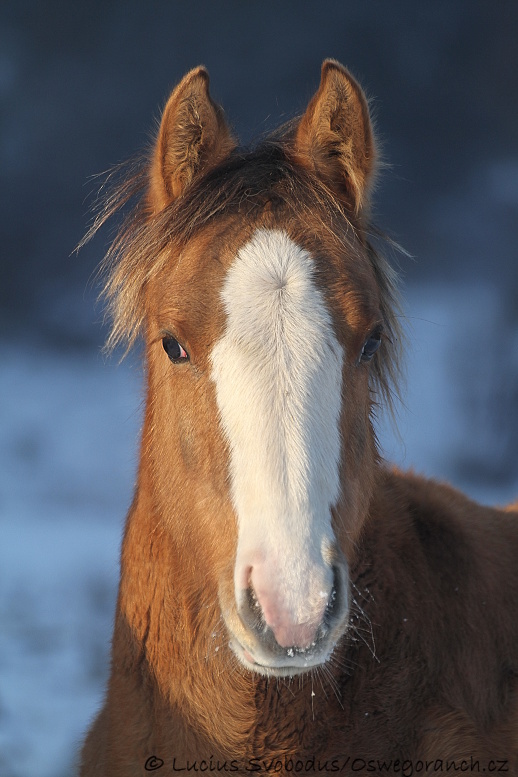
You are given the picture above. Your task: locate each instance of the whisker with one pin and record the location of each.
(333, 683)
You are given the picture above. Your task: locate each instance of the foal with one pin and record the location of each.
(286, 601)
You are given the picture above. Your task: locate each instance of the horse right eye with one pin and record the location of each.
(174, 350)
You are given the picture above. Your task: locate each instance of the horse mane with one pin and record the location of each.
(244, 184)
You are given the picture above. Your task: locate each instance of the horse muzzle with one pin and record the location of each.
(267, 639)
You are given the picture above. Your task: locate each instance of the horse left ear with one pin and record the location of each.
(193, 137)
(335, 137)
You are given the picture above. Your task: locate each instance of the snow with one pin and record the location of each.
(68, 452)
(459, 414)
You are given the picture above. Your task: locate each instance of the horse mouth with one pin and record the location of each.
(291, 662)
(255, 646)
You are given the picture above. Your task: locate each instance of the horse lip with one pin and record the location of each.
(307, 657)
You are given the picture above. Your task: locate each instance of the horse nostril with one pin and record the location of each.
(337, 601)
(331, 602)
(330, 611)
(251, 611)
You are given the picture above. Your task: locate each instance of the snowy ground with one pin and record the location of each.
(68, 446)
(68, 452)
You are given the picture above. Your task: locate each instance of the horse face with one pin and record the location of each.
(256, 355)
(266, 322)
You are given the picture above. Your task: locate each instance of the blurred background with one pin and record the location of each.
(81, 87)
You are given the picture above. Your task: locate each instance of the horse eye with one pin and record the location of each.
(370, 347)
(174, 350)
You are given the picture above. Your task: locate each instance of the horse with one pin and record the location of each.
(288, 600)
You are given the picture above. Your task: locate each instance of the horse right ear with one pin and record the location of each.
(193, 137)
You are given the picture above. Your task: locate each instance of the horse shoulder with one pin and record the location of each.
(447, 575)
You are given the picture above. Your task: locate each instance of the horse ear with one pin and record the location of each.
(335, 137)
(193, 137)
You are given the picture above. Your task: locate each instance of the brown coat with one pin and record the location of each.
(427, 669)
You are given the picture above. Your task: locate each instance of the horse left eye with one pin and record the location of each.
(370, 347)
(174, 350)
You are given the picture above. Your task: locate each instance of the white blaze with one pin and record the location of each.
(278, 375)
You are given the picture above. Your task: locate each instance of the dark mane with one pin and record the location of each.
(243, 185)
